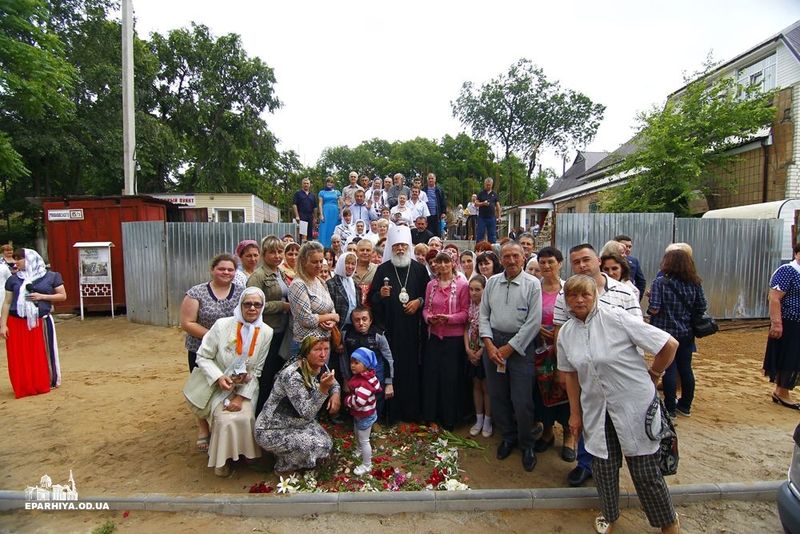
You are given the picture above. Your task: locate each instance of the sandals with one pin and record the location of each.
(777, 400)
(202, 443)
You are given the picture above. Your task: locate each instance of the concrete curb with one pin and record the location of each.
(408, 501)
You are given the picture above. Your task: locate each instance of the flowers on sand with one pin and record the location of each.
(407, 457)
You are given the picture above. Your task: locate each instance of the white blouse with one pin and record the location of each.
(613, 376)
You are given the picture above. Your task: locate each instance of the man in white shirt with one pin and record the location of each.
(419, 207)
(349, 191)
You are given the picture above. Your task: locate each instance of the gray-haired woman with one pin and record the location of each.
(610, 389)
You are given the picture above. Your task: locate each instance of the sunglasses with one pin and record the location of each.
(256, 305)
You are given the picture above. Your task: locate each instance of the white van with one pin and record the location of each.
(788, 210)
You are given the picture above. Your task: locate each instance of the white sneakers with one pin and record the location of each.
(483, 426)
(362, 470)
(487, 427)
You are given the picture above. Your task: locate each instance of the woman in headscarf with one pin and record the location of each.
(247, 252)
(28, 327)
(468, 263)
(288, 427)
(289, 265)
(345, 298)
(231, 358)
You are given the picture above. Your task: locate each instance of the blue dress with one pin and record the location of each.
(330, 210)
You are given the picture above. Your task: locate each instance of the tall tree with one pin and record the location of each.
(212, 95)
(523, 112)
(684, 147)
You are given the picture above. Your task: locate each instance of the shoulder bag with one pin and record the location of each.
(668, 438)
(702, 323)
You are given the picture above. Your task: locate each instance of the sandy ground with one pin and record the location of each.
(120, 423)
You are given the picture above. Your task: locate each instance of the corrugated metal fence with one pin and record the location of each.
(163, 260)
(735, 257)
(651, 233)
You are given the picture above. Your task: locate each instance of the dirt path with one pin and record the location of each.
(119, 422)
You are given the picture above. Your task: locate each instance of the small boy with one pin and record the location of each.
(363, 386)
(363, 333)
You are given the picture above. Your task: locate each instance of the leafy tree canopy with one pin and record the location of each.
(523, 112)
(681, 147)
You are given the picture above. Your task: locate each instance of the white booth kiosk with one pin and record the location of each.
(94, 271)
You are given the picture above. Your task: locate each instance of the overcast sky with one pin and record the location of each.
(348, 71)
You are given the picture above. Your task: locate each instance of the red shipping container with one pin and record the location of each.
(74, 219)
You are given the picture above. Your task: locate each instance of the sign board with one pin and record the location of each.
(75, 214)
(95, 265)
(94, 271)
(187, 200)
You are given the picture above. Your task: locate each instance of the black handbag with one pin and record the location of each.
(702, 323)
(667, 437)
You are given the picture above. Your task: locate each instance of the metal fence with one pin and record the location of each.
(735, 257)
(651, 233)
(163, 260)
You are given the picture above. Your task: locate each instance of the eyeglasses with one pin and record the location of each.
(256, 305)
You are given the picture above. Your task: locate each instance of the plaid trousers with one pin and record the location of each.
(647, 479)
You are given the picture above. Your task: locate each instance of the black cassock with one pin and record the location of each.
(406, 335)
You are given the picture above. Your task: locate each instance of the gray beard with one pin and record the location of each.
(400, 261)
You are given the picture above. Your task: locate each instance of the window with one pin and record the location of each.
(229, 215)
(594, 207)
(571, 209)
(760, 73)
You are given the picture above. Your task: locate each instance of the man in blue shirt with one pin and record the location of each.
(304, 204)
(437, 204)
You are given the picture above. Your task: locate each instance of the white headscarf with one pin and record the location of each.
(347, 281)
(34, 269)
(248, 329)
(398, 234)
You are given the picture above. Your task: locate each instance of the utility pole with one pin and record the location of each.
(128, 117)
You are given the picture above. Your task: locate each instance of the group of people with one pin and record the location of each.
(414, 335)
(364, 201)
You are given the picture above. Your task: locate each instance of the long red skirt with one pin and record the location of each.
(27, 360)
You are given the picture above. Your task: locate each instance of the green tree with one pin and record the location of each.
(684, 147)
(523, 112)
(35, 80)
(212, 96)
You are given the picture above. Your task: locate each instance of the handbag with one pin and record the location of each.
(702, 323)
(336, 337)
(668, 447)
(551, 390)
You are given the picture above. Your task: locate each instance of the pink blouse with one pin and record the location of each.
(452, 301)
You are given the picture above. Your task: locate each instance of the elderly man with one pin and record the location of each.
(349, 191)
(510, 317)
(437, 205)
(397, 295)
(304, 204)
(584, 260)
(399, 188)
(488, 212)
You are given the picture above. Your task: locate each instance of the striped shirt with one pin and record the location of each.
(612, 294)
(361, 399)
